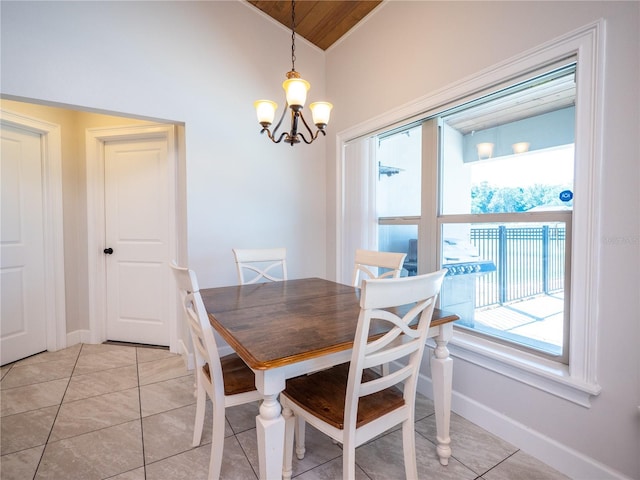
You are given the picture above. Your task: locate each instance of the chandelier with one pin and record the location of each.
(296, 94)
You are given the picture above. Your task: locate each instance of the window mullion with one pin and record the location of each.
(428, 252)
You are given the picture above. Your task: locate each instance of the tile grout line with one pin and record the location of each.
(478, 475)
(499, 463)
(235, 436)
(53, 424)
(144, 460)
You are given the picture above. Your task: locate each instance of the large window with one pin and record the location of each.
(496, 213)
(505, 196)
(483, 184)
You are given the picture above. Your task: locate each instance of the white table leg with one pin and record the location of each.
(270, 431)
(442, 377)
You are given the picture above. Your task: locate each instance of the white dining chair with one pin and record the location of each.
(385, 264)
(256, 265)
(351, 403)
(227, 380)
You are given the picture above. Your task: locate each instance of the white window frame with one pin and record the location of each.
(576, 382)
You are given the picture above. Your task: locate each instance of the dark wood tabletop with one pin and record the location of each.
(278, 323)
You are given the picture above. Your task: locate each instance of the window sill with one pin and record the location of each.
(546, 375)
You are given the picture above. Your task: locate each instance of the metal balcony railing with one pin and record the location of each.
(529, 261)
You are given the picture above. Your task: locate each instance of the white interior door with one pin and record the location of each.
(137, 223)
(23, 329)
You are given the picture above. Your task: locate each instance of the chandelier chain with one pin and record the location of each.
(293, 35)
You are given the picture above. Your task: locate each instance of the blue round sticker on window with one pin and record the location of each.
(566, 195)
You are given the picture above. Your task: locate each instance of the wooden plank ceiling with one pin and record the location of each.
(320, 22)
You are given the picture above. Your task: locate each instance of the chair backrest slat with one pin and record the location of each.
(256, 265)
(382, 383)
(366, 261)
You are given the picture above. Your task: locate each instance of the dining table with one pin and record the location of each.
(294, 327)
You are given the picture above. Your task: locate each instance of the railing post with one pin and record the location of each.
(545, 259)
(502, 263)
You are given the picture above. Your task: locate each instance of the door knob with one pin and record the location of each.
(108, 251)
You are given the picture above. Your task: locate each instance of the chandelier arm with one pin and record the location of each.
(265, 129)
(282, 135)
(271, 136)
(275, 130)
(308, 142)
(308, 128)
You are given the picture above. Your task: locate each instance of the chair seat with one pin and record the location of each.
(323, 393)
(238, 377)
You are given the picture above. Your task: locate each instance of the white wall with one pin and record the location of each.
(408, 50)
(201, 64)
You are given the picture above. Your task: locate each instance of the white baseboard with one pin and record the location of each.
(78, 336)
(188, 357)
(561, 457)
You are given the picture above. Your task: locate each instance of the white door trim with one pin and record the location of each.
(95, 158)
(53, 228)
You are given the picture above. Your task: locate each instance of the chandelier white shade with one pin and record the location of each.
(321, 112)
(296, 91)
(266, 110)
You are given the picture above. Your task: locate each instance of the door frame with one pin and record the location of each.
(53, 224)
(97, 267)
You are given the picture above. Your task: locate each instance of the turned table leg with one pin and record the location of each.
(442, 378)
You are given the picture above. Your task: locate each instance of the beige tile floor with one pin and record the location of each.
(126, 413)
